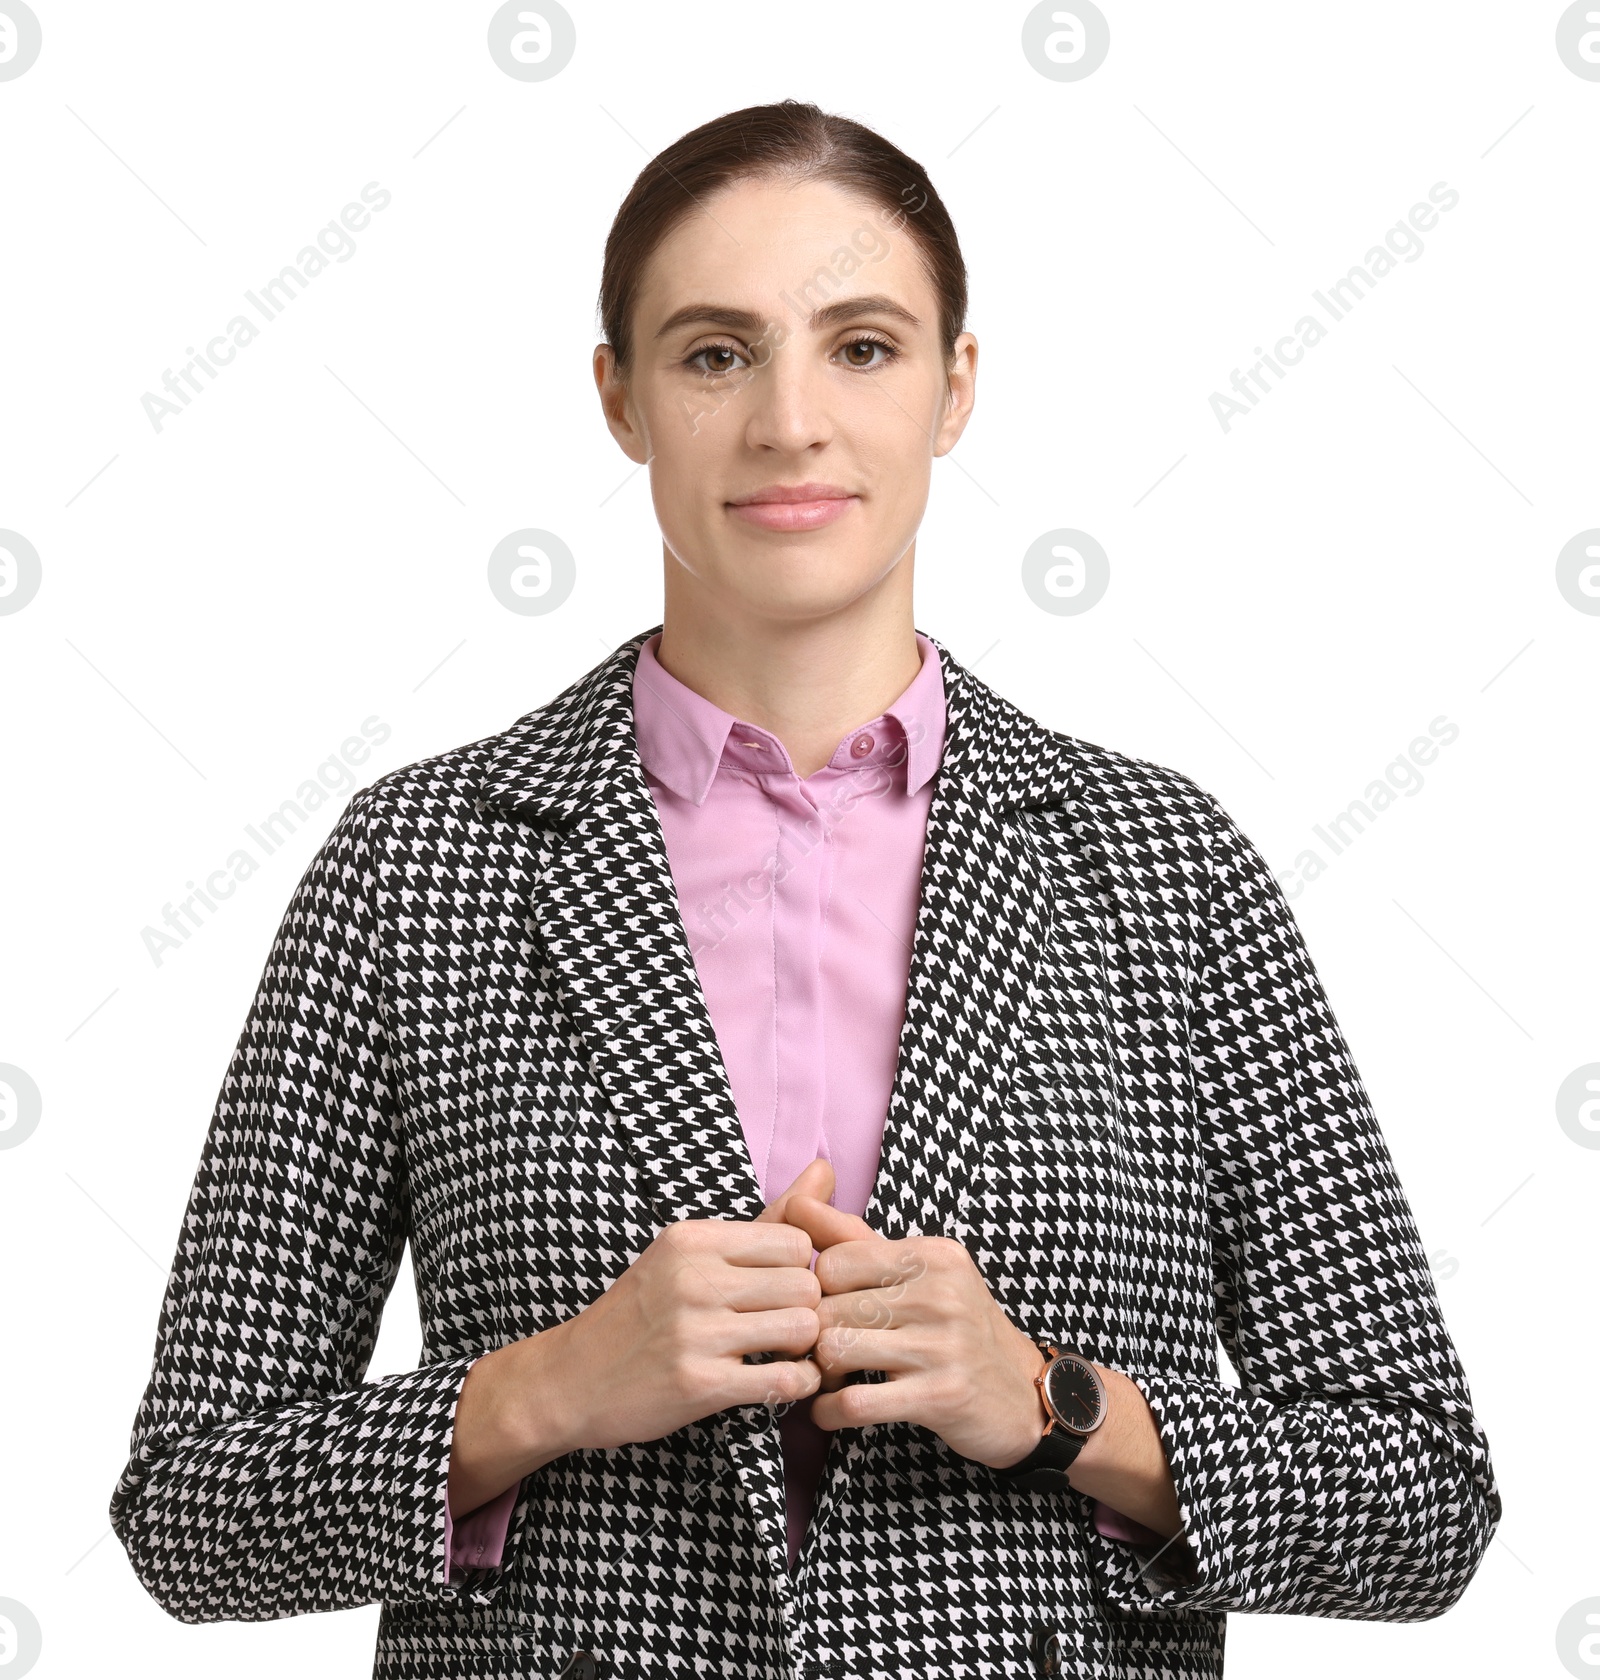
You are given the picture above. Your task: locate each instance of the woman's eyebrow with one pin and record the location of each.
(747, 321)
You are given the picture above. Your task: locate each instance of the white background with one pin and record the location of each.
(1291, 601)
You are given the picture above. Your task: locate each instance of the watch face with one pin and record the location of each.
(1075, 1395)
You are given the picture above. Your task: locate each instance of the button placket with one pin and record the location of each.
(797, 924)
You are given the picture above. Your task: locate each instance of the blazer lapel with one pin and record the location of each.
(606, 910)
(980, 923)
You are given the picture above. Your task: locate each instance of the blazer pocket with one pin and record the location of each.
(1190, 1646)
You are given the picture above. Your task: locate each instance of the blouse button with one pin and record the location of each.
(861, 746)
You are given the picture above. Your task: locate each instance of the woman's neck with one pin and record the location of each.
(808, 681)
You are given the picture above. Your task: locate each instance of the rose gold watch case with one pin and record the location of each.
(1041, 1382)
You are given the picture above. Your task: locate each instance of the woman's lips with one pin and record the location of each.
(793, 516)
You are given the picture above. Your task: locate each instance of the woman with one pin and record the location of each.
(833, 1115)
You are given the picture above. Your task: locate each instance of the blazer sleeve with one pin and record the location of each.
(1347, 1475)
(479, 1539)
(265, 1478)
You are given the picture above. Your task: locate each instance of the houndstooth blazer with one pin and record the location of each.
(1120, 1085)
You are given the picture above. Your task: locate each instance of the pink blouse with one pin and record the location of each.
(799, 897)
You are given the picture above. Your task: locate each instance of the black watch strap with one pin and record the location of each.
(1046, 1466)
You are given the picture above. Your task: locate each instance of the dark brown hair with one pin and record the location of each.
(790, 141)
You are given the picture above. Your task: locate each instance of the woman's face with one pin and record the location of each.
(786, 336)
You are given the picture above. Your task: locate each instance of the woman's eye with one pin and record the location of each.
(717, 368)
(869, 345)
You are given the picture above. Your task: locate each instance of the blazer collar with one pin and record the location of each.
(555, 763)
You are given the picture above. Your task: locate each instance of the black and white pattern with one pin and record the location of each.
(1120, 1084)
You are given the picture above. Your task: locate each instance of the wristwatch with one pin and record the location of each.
(1074, 1400)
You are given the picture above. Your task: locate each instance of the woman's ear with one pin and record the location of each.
(617, 406)
(961, 386)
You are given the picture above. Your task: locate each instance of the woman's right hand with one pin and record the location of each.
(665, 1345)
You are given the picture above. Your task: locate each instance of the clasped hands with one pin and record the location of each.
(918, 1310)
(669, 1343)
